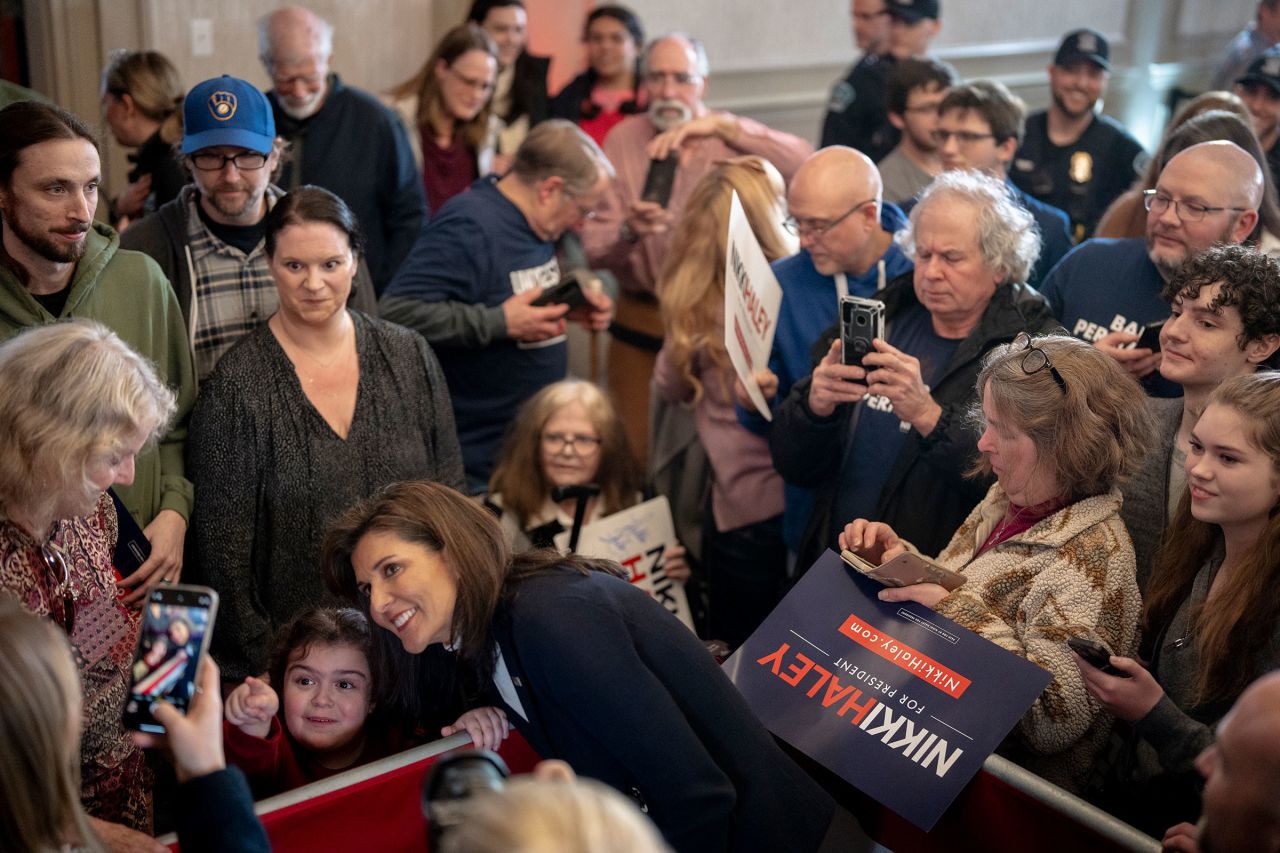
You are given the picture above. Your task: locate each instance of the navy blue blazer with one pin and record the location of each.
(620, 689)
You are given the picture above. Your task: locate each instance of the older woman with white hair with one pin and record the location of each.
(891, 442)
(76, 406)
(1045, 556)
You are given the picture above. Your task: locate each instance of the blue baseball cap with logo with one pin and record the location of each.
(227, 111)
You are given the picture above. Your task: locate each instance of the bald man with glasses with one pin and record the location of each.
(1106, 291)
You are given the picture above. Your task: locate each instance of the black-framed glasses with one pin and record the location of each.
(810, 228)
(1188, 211)
(963, 137)
(246, 161)
(559, 442)
(56, 562)
(1035, 359)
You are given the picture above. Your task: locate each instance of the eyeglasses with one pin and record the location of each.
(246, 161)
(484, 87)
(559, 442)
(811, 228)
(679, 78)
(1188, 211)
(1035, 359)
(963, 137)
(585, 212)
(56, 562)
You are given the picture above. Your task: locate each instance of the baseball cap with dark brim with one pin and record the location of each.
(1083, 46)
(912, 11)
(1265, 70)
(227, 111)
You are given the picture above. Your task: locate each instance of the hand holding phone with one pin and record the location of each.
(1150, 337)
(177, 624)
(568, 291)
(660, 180)
(861, 322)
(1095, 654)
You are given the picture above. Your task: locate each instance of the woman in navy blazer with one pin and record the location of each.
(590, 669)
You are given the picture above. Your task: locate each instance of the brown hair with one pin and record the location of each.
(319, 626)
(1094, 433)
(1004, 111)
(426, 86)
(1240, 620)
(40, 764)
(519, 476)
(691, 285)
(559, 148)
(473, 547)
(1250, 282)
(152, 82)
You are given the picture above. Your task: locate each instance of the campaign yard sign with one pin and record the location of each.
(638, 539)
(752, 296)
(900, 702)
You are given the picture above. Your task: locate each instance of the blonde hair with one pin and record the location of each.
(425, 86)
(691, 287)
(518, 475)
(1094, 433)
(70, 394)
(1233, 626)
(39, 709)
(152, 81)
(536, 816)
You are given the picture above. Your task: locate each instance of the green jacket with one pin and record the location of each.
(126, 292)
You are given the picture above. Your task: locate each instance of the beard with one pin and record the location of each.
(1169, 265)
(305, 109)
(252, 202)
(1060, 103)
(666, 113)
(44, 246)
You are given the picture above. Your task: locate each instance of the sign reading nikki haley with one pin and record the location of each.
(902, 703)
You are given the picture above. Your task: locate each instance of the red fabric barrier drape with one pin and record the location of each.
(383, 813)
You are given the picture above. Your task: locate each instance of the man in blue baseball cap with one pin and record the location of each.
(209, 240)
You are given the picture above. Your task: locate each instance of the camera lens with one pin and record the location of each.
(862, 319)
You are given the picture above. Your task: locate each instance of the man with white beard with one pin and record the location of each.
(630, 236)
(342, 138)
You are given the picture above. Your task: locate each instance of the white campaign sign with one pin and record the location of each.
(638, 539)
(751, 299)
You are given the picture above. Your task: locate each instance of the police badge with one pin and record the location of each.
(1081, 170)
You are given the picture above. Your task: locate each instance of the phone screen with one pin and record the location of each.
(176, 625)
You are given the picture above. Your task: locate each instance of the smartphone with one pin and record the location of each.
(132, 546)
(1150, 338)
(568, 291)
(906, 569)
(177, 623)
(861, 321)
(660, 180)
(1095, 654)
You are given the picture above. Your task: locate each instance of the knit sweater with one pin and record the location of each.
(1071, 574)
(126, 292)
(271, 473)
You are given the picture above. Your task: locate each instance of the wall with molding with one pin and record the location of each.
(771, 59)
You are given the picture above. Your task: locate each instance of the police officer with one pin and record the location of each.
(1071, 157)
(857, 114)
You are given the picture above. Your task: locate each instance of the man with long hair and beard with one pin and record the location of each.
(55, 263)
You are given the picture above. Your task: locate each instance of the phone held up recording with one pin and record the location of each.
(177, 624)
(861, 322)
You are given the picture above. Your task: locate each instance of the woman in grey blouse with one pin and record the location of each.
(316, 409)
